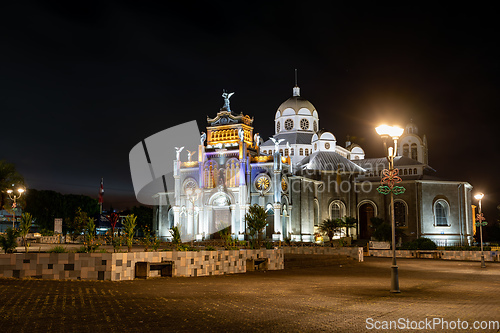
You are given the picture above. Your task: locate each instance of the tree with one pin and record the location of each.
(90, 234)
(176, 236)
(46, 205)
(78, 223)
(8, 240)
(24, 229)
(113, 220)
(8, 176)
(256, 221)
(330, 227)
(144, 217)
(348, 222)
(129, 225)
(383, 230)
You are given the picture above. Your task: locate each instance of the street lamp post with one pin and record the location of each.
(14, 197)
(480, 219)
(389, 179)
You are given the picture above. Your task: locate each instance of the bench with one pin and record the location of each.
(261, 264)
(144, 268)
(435, 253)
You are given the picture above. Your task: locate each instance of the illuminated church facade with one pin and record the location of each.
(302, 176)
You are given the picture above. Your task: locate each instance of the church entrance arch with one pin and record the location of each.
(221, 213)
(366, 210)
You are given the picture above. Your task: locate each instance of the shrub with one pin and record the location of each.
(420, 244)
(8, 240)
(57, 249)
(209, 248)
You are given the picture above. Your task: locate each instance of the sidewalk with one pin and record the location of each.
(318, 299)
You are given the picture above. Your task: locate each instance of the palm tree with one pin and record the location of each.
(330, 227)
(24, 229)
(256, 221)
(129, 225)
(348, 222)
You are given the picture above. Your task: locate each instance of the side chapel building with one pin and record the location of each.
(301, 176)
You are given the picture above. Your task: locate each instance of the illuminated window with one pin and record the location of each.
(286, 152)
(210, 174)
(441, 213)
(337, 209)
(232, 173)
(292, 152)
(315, 126)
(307, 152)
(327, 145)
(289, 124)
(301, 151)
(278, 127)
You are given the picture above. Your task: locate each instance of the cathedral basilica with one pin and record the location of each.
(302, 176)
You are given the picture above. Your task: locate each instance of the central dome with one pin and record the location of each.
(297, 103)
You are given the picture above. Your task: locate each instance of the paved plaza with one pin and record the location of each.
(437, 296)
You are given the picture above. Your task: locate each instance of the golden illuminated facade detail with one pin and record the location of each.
(225, 129)
(232, 173)
(284, 184)
(210, 174)
(262, 183)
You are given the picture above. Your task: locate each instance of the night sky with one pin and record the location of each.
(80, 86)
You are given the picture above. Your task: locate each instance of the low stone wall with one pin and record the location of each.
(121, 266)
(441, 254)
(351, 252)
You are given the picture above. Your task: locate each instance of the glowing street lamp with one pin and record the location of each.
(14, 197)
(480, 221)
(389, 179)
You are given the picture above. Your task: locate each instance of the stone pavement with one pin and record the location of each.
(350, 298)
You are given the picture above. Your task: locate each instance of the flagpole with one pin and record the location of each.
(101, 192)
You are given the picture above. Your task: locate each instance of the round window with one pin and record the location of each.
(288, 124)
(327, 145)
(304, 124)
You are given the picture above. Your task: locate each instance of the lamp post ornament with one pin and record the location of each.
(480, 223)
(388, 186)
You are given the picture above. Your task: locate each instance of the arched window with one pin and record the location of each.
(210, 172)
(316, 212)
(292, 152)
(414, 154)
(337, 209)
(406, 150)
(232, 173)
(400, 213)
(307, 152)
(301, 151)
(441, 213)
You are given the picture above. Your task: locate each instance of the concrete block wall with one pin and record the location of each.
(352, 252)
(445, 255)
(121, 266)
